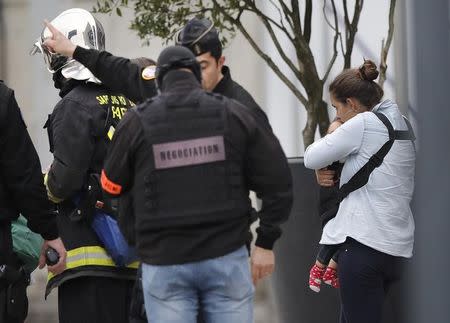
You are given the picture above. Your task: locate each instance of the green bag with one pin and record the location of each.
(26, 244)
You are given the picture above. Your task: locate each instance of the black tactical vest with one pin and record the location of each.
(193, 173)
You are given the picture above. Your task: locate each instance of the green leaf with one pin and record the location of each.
(119, 12)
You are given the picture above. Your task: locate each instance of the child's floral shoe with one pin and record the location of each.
(315, 277)
(330, 277)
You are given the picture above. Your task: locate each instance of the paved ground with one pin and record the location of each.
(42, 311)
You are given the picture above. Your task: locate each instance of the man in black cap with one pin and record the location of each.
(200, 36)
(189, 158)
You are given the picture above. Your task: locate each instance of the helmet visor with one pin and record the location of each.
(50, 58)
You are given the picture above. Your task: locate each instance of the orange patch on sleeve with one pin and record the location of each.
(109, 186)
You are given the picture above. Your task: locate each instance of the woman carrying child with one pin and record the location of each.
(374, 225)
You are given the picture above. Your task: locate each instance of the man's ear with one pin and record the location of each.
(221, 61)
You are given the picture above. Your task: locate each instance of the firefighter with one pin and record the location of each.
(93, 288)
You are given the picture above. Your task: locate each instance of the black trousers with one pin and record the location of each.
(94, 300)
(365, 276)
(12, 278)
(5, 253)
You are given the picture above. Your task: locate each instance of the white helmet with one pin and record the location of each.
(83, 30)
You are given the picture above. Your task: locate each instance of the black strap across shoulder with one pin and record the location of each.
(362, 176)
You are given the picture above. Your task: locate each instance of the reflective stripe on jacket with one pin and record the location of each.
(90, 256)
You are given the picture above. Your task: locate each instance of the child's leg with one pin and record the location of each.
(326, 252)
(332, 264)
(336, 256)
(318, 270)
(315, 277)
(330, 276)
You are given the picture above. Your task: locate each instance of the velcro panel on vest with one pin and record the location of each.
(189, 152)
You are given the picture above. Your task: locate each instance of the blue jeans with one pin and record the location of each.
(223, 286)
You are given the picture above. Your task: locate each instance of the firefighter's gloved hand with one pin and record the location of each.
(58, 245)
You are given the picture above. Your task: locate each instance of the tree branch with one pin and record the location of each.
(286, 17)
(252, 7)
(385, 47)
(263, 55)
(346, 16)
(337, 35)
(287, 13)
(275, 40)
(296, 18)
(351, 28)
(301, 46)
(303, 51)
(307, 23)
(324, 10)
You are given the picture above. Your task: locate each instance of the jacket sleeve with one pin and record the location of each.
(117, 173)
(344, 141)
(21, 171)
(117, 73)
(268, 175)
(73, 147)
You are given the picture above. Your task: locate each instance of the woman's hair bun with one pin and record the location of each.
(368, 70)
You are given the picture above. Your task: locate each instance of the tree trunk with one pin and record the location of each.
(317, 112)
(317, 115)
(323, 118)
(310, 127)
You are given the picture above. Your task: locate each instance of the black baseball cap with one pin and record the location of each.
(200, 36)
(175, 57)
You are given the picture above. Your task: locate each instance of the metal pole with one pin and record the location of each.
(428, 48)
(401, 57)
(2, 43)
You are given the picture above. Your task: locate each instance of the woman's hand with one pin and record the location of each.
(325, 177)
